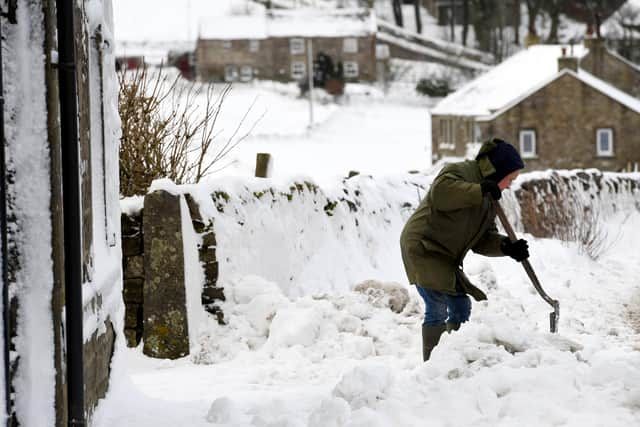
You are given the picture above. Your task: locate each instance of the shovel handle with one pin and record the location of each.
(553, 317)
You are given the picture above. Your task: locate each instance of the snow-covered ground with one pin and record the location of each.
(313, 352)
(294, 355)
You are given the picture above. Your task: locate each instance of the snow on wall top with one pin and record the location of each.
(506, 82)
(287, 23)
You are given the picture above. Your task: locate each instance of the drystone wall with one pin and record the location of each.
(303, 220)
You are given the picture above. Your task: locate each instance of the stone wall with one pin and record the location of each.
(549, 205)
(133, 276)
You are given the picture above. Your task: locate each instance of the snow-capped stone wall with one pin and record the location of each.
(309, 240)
(552, 201)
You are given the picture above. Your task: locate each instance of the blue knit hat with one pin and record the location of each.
(505, 159)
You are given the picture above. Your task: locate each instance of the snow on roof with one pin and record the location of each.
(505, 82)
(628, 13)
(287, 23)
(163, 20)
(609, 90)
(591, 80)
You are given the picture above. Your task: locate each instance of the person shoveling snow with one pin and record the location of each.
(456, 216)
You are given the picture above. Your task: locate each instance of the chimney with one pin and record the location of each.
(594, 44)
(564, 61)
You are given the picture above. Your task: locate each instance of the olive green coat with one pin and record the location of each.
(452, 219)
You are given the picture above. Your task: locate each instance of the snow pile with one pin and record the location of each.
(306, 238)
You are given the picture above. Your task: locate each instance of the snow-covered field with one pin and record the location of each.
(367, 131)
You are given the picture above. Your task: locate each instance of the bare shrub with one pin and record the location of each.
(561, 214)
(166, 132)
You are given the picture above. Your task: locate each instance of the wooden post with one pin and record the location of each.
(263, 161)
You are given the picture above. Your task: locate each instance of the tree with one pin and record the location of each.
(552, 7)
(465, 21)
(397, 12)
(516, 22)
(416, 6)
(533, 7)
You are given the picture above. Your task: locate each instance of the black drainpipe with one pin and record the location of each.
(71, 210)
(11, 17)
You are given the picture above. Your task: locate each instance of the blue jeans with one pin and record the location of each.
(441, 307)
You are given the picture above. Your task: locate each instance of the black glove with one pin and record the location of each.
(518, 250)
(491, 187)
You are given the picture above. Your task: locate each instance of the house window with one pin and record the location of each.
(350, 45)
(230, 73)
(246, 73)
(298, 70)
(296, 46)
(604, 141)
(227, 44)
(254, 45)
(446, 141)
(528, 144)
(350, 69)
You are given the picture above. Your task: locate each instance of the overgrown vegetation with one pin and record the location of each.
(437, 87)
(169, 129)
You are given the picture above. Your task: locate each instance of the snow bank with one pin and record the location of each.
(309, 239)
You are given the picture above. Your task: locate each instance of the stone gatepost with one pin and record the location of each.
(166, 333)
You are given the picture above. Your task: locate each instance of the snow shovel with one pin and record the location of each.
(553, 317)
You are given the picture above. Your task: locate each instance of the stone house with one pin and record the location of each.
(275, 45)
(62, 273)
(562, 107)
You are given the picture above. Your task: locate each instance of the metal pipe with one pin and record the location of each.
(71, 210)
(3, 240)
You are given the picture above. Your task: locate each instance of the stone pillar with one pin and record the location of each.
(166, 333)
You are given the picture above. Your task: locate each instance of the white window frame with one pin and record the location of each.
(230, 73)
(351, 69)
(350, 45)
(298, 70)
(528, 154)
(296, 46)
(227, 44)
(599, 150)
(254, 45)
(246, 73)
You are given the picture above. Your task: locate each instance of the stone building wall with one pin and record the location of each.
(461, 129)
(565, 116)
(611, 68)
(273, 59)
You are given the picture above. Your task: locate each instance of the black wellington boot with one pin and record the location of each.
(452, 327)
(430, 338)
